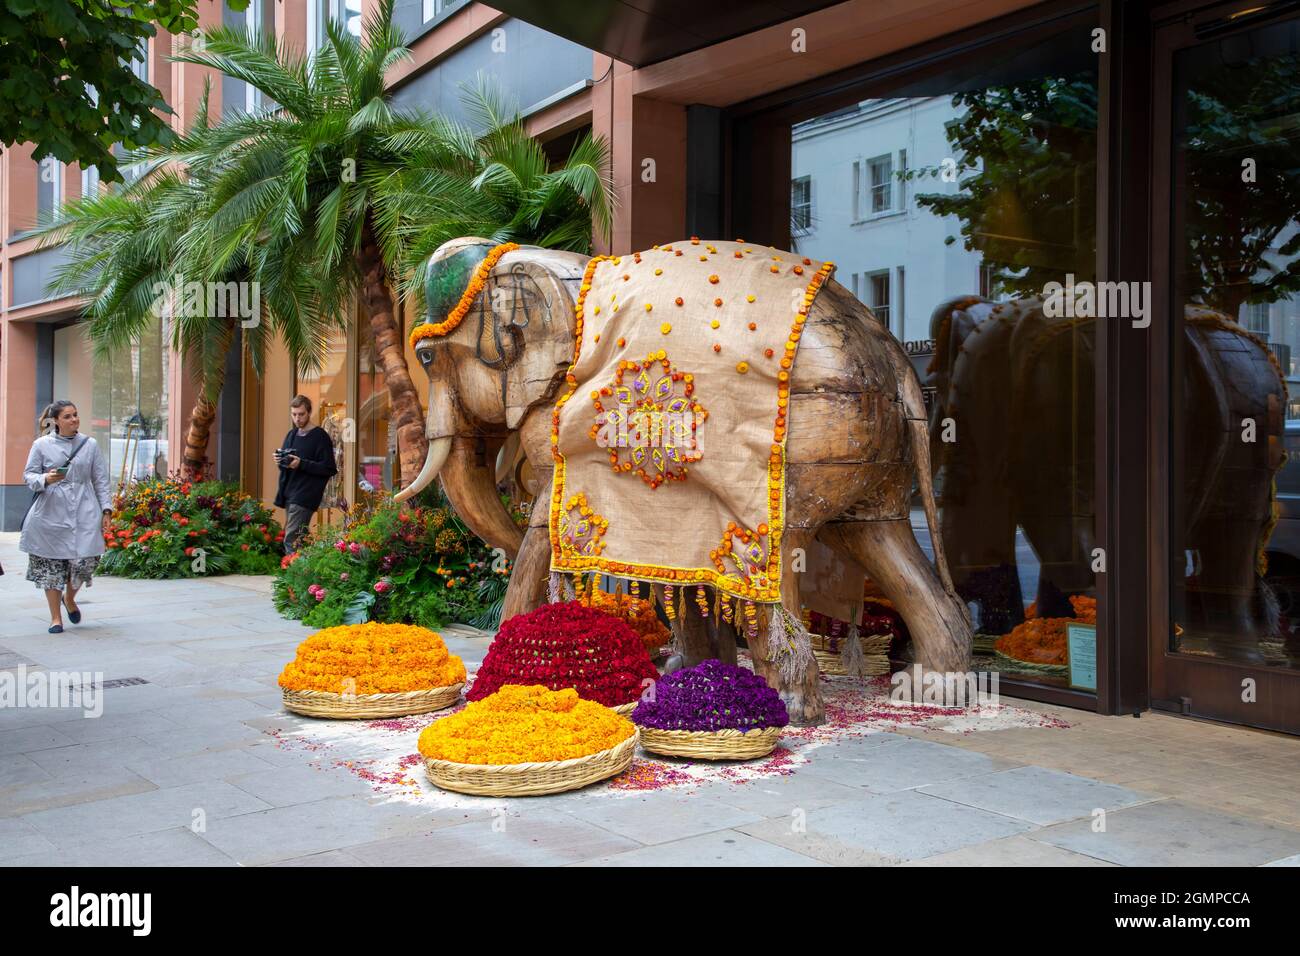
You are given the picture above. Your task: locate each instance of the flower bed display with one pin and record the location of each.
(396, 564)
(372, 670)
(568, 645)
(639, 613)
(169, 528)
(713, 711)
(1040, 642)
(527, 741)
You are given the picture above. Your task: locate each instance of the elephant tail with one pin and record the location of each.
(919, 430)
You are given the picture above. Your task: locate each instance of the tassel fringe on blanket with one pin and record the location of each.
(788, 644)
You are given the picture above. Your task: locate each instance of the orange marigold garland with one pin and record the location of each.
(430, 330)
(525, 724)
(372, 658)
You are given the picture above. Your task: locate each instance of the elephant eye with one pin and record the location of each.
(425, 356)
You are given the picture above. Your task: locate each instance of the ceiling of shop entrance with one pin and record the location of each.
(641, 32)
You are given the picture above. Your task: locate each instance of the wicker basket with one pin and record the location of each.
(875, 653)
(625, 710)
(1015, 665)
(319, 703)
(531, 779)
(710, 744)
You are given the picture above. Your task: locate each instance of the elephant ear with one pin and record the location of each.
(531, 331)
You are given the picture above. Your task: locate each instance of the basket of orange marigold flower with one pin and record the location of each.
(527, 741)
(365, 671)
(1039, 644)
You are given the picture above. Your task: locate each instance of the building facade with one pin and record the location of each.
(938, 151)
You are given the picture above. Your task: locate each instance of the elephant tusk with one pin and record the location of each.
(439, 449)
(438, 428)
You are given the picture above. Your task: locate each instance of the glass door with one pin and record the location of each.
(1229, 102)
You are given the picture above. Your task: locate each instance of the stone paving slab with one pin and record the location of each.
(883, 829)
(539, 837)
(1009, 851)
(660, 817)
(1172, 833)
(176, 847)
(1036, 795)
(719, 848)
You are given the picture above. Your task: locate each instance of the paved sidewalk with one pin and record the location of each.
(200, 765)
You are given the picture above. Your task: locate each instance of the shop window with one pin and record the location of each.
(122, 398)
(983, 157)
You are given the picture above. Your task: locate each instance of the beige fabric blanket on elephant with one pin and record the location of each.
(669, 436)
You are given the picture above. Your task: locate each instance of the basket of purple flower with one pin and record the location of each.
(713, 711)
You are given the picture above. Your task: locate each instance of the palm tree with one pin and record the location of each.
(130, 248)
(497, 184)
(323, 193)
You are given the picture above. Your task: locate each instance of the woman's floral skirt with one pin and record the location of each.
(51, 574)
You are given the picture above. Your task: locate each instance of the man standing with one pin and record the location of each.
(306, 460)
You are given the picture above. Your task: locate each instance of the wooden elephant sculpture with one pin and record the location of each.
(857, 437)
(1016, 387)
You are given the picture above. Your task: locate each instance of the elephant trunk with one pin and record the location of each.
(438, 428)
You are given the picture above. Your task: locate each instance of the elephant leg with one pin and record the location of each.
(723, 638)
(889, 553)
(692, 632)
(701, 637)
(802, 696)
(528, 580)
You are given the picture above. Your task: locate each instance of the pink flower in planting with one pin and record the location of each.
(320, 594)
(354, 547)
(382, 587)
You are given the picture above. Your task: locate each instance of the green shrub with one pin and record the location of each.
(169, 528)
(393, 564)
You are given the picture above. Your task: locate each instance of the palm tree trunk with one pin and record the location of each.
(197, 435)
(204, 413)
(390, 354)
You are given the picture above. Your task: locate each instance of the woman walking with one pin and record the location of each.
(63, 533)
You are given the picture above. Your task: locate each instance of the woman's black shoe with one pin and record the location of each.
(56, 628)
(73, 616)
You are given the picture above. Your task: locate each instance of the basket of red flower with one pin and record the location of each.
(568, 645)
(712, 711)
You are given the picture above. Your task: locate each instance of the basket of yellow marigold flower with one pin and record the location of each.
(365, 671)
(527, 741)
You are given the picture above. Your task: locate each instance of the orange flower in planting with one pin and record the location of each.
(678, 300)
(713, 279)
(717, 348)
(521, 724)
(717, 302)
(372, 658)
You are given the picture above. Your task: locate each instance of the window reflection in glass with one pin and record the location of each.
(1235, 493)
